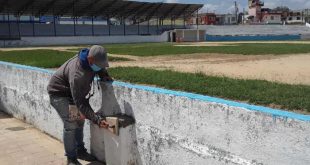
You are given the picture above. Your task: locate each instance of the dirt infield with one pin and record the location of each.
(291, 69)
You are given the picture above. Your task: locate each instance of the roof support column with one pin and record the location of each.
(9, 26)
(197, 19)
(92, 26)
(138, 27)
(148, 26)
(74, 18)
(184, 26)
(157, 26)
(54, 21)
(18, 25)
(55, 33)
(74, 28)
(174, 23)
(124, 23)
(32, 20)
(109, 25)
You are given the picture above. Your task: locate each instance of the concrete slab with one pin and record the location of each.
(21, 143)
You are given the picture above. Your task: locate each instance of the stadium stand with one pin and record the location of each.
(125, 11)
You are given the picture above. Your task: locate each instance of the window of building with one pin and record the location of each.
(272, 17)
(298, 18)
(233, 19)
(290, 18)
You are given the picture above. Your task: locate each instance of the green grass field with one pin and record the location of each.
(156, 49)
(42, 58)
(290, 97)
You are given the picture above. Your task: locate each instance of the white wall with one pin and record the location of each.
(272, 19)
(254, 29)
(171, 127)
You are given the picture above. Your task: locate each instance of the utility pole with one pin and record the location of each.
(243, 16)
(236, 11)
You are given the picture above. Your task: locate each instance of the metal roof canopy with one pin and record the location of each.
(106, 8)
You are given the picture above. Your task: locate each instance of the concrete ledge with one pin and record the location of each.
(171, 127)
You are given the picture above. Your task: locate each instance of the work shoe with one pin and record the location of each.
(73, 162)
(83, 155)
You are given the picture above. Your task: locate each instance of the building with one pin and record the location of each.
(203, 19)
(295, 17)
(230, 19)
(226, 19)
(207, 19)
(272, 18)
(255, 10)
(306, 14)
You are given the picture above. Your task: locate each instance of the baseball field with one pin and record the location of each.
(274, 74)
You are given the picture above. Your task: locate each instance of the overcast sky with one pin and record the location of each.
(226, 6)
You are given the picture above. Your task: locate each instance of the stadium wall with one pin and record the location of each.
(235, 30)
(28, 29)
(254, 38)
(171, 127)
(81, 40)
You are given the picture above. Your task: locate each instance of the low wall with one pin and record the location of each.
(171, 127)
(254, 38)
(254, 29)
(82, 40)
(29, 29)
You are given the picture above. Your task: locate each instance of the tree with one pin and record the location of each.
(282, 8)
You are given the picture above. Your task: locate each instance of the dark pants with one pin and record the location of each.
(73, 130)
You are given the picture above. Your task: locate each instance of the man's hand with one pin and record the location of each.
(104, 124)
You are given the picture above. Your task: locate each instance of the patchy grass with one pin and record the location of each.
(42, 58)
(156, 49)
(276, 95)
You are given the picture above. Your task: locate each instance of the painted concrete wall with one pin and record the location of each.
(171, 127)
(78, 40)
(255, 29)
(26, 29)
(255, 38)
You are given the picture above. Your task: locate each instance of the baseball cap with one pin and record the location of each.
(100, 56)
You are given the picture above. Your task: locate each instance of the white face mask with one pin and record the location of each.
(95, 68)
